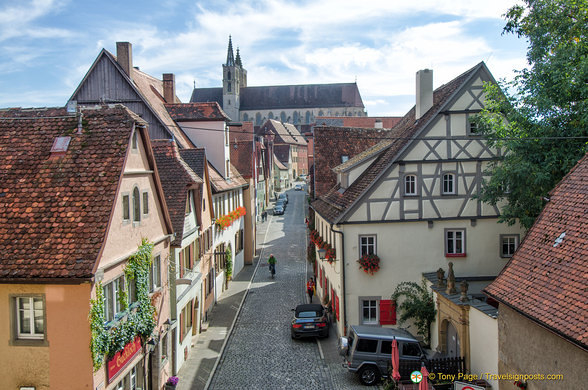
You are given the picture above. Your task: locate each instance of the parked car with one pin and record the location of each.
(309, 320)
(278, 210)
(280, 203)
(298, 187)
(284, 197)
(367, 351)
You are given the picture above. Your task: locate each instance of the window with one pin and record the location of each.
(369, 309)
(508, 244)
(134, 143)
(448, 184)
(454, 243)
(367, 245)
(112, 303)
(410, 187)
(126, 208)
(239, 241)
(344, 159)
(30, 318)
(410, 349)
(155, 274)
(186, 320)
(136, 205)
(472, 127)
(164, 347)
(188, 204)
(145, 203)
(367, 345)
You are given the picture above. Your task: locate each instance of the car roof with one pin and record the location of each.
(383, 333)
(309, 307)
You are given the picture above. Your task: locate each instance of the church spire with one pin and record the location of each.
(230, 58)
(238, 59)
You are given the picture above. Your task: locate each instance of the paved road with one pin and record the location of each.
(260, 353)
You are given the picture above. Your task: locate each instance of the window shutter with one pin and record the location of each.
(337, 307)
(387, 312)
(191, 254)
(181, 326)
(181, 263)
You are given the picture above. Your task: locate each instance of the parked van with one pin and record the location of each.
(368, 351)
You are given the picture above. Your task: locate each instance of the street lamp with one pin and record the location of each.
(322, 252)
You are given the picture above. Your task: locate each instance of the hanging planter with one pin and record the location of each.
(369, 263)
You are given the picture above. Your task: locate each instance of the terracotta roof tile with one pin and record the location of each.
(547, 278)
(176, 178)
(358, 121)
(55, 208)
(196, 112)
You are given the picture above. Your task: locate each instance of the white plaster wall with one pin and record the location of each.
(408, 249)
(483, 344)
(211, 136)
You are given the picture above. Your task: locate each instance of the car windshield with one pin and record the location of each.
(308, 314)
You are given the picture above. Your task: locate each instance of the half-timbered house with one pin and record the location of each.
(408, 204)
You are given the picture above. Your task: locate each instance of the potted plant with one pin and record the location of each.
(369, 263)
(171, 383)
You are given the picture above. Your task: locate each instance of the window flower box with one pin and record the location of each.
(369, 263)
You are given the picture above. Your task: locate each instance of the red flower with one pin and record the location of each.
(369, 263)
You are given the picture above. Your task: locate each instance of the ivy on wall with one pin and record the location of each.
(109, 338)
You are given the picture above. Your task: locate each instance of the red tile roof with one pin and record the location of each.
(547, 278)
(334, 204)
(358, 121)
(176, 179)
(209, 111)
(55, 209)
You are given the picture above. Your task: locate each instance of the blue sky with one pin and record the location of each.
(47, 46)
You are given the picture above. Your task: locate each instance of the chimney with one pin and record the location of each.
(169, 87)
(124, 56)
(378, 124)
(424, 92)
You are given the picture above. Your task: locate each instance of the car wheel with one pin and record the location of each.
(369, 375)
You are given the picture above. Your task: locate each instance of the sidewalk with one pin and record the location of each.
(209, 345)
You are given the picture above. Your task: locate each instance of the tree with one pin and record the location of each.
(417, 305)
(540, 119)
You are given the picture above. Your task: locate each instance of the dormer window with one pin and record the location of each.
(188, 205)
(410, 185)
(344, 158)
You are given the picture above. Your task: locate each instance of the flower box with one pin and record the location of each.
(369, 263)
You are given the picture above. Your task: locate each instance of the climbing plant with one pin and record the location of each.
(417, 305)
(229, 262)
(107, 338)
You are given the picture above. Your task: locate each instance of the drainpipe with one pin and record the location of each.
(343, 278)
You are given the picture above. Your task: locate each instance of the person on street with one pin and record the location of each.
(310, 289)
(272, 264)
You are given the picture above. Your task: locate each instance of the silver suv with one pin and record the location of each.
(368, 349)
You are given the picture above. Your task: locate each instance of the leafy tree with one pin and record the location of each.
(540, 119)
(417, 305)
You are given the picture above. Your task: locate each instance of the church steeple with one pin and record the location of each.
(230, 58)
(238, 59)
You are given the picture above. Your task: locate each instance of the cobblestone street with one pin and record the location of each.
(260, 353)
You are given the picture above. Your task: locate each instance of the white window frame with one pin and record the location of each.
(503, 237)
(111, 297)
(32, 334)
(375, 306)
(452, 237)
(155, 274)
(405, 185)
(453, 182)
(364, 243)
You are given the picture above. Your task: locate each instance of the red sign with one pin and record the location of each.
(123, 357)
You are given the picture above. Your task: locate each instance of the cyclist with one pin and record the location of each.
(272, 264)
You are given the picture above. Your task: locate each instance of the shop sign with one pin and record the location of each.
(122, 358)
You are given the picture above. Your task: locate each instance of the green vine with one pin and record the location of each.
(229, 262)
(108, 338)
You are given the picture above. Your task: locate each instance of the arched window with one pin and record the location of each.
(307, 118)
(321, 113)
(136, 205)
(245, 117)
(296, 118)
(258, 119)
(229, 87)
(283, 116)
(229, 75)
(270, 115)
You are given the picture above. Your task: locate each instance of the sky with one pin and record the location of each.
(47, 46)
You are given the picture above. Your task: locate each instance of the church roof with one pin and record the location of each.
(287, 96)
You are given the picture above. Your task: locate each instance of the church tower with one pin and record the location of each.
(234, 78)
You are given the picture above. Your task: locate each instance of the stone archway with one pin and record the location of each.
(452, 347)
(196, 316)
